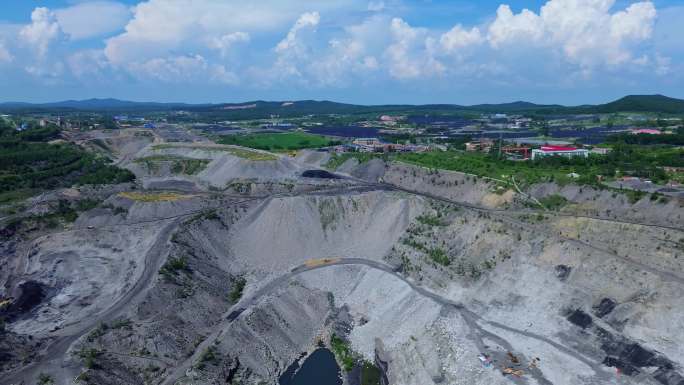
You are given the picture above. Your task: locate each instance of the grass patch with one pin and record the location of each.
(553, 202)
(153, 197)
(16, 195)
(370, 374)
(277, 141)
(89, 357)
(208, 356)
(343, 352)
(336, 160)
(252, 155)
(634, 196)
(173, 266)
(239, 152)
(430, 220)
(98, 332)
(236, 292)
(179, 164)
(45, 379)
(439, 256)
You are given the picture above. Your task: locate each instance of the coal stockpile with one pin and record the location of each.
(604, 307)
(580, 318)
(31, 294)
(320, 174)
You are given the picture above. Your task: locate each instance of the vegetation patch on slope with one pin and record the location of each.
(178, 164)
(277, 141)
(239, 152)
(29, 162)
(336, 160)
(153, 197)
(638, 161)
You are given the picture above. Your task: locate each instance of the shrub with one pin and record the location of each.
(45, 379)
(439, 256)
(553, 202)
(209, 355)
(89, 357)
(173, 266)
(343, 352)
(238, 287)
(430, 220)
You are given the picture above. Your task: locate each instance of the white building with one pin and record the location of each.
(568, 152)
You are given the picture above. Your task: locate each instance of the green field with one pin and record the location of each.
(277, 141)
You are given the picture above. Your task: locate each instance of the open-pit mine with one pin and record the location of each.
(229, 265)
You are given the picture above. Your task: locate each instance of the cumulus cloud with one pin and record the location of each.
(585, 31)
(376, 6)
(92, 19)
(160, 27)
(225, 43)
(88, 64)
(509, 28)
(410, 56)
(459, 38)
(343, 43)
(306, 20)
(43, 29)
(5, 55)
(350, 56)
(183, 69)
(292, 53)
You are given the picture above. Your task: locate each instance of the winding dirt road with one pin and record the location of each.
(473, 320)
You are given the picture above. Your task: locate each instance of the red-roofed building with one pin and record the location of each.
(649, 131)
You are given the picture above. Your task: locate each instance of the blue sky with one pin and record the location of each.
(360, 51)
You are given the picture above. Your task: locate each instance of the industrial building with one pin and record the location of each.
(568, 152)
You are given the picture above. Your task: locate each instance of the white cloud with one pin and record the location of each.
(162, 27)
(42, 30)
(88, 64)
(410, 56)
(636, 22)
(92, 19)
(225, 43)
(663, 65)
(293, 55)
(508, 28)
(344, 43)
(351, 56)
(585, 31)
(376, 6)
(5, 55)
(306, 20)
(459, 38)
(183, 69)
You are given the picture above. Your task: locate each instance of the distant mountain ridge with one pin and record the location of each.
(95, 104)
(630, 103)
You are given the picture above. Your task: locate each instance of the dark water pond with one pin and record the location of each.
(320, 368)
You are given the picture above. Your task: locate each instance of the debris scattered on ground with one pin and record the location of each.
(485, 359)
(514, 372)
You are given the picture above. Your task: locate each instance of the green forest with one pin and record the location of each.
(29, 162)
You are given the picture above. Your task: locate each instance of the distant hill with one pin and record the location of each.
(513, 107)
(260, 108)
(643, 103)
(95, 105)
